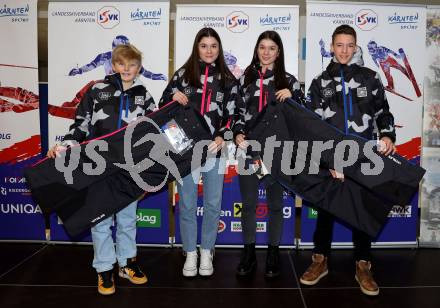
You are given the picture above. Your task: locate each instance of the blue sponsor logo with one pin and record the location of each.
(148, 17)
(275, 20)
(146, 14)
(14, 11)
(403, 19)
(59, 138)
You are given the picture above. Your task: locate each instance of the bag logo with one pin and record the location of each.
(362, 92)
(104, 96)
(187, 91)
(139, 100)
(328, 92)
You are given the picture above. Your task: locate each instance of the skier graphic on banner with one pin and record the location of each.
(385, 59)
(67, 109)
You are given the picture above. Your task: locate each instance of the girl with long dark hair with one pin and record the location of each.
(264, 80)
(205, 83)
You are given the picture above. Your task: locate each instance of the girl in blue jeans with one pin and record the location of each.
(205, 83)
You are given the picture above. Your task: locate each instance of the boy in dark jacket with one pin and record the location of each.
(107, 106)
(352, 98)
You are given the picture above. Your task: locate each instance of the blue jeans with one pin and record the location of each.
(212, 176)
(105, 254)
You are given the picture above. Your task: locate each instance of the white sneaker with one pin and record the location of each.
(190, 266)
(206, 268)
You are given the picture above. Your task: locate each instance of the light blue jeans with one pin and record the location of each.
(212, 176)
(105, 254)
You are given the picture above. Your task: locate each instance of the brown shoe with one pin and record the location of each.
(316, 270)
(365, 278)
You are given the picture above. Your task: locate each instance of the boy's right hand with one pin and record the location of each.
(54, 151)
(180, 98)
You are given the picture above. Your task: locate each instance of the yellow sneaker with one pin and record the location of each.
(133, 272)
(106, 284)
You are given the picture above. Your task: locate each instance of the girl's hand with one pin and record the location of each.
(180, 98)
(281, 95)
(216, 145)
(240, 141)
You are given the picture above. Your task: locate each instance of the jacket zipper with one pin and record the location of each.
(344, 98)
(202, 107)
(260, 98)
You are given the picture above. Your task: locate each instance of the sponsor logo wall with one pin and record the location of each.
(229, 231)
(430, 191)
(382, 33)
(20, 145)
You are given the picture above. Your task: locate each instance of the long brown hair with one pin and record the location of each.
(191, 66)
(279, 69)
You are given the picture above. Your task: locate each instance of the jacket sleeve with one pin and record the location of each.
(238, 121)
(314, 100)
(229, 110)
(80, 129)
(297, 92)
(383, 117)
(149, 104)
(172, 87)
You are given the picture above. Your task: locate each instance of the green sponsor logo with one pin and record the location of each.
(313, 214)
(148, 218)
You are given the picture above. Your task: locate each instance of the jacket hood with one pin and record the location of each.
(357, 61)
(115, 80)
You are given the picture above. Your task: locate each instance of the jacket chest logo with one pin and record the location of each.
(139, 100)
(328, 92)
(219, 97)
(104, 96)
(187, 91)
(362, 92)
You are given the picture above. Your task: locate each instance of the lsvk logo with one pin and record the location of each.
(366, 20)
(237, 22)
(108, 17)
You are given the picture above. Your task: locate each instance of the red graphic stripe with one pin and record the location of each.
(21, 150)
(410, 149)
(20, 66)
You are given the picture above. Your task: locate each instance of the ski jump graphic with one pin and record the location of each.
(386, 59)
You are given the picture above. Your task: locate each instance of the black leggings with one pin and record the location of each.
(274, 196)
(323, 235)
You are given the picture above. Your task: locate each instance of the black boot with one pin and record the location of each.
(272, 262)
(248, 261)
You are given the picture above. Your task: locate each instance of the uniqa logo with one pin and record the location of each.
(108, 17)
(237, 22)
(366, 20)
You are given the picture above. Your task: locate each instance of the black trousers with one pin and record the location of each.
(323, 235)
(274, 196)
